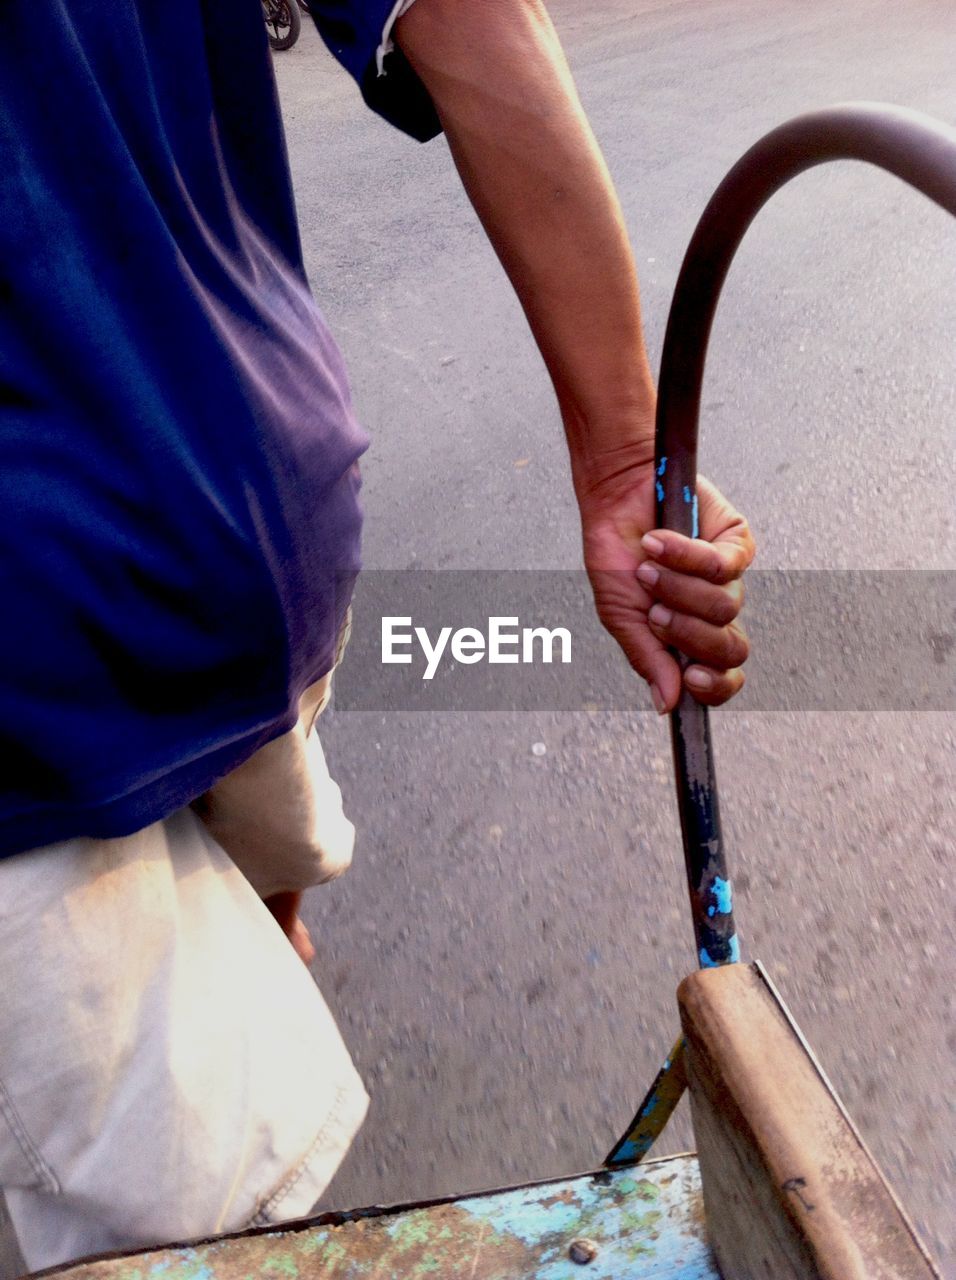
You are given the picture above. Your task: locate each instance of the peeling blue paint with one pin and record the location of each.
(648, 1224)
(691, 500)
(723, 892)
(650, 1244)
(192, 1262)
(660, 491)
(526, 1218)
(656, 1108)
(708, 962)
(663, 466)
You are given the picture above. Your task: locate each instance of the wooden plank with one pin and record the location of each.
(790, 1191)
(639, 1223)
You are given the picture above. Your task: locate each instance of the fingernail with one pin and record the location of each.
(698, 679)
(653, 546)
(660, 616)
(659, 704)
(647, 573)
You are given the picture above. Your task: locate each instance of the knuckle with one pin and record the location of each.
(729, 686)
(727, 652)
(722, 609)
(729, 649)
(686, 559)
(741, 648)
(719, 571)
(681, 629)
(671, 590)
(714, 612)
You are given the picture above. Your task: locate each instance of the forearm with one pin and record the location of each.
(531, 166)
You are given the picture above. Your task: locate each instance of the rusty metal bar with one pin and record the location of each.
(922, 152)
(655, 1110)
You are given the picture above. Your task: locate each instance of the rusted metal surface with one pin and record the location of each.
(639, 1224)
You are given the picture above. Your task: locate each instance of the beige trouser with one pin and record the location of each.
(279, 816)
(168, 1067)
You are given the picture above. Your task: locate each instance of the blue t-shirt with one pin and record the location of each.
(179, 522)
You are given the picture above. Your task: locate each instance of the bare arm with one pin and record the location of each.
(536, 177)
(532, 168)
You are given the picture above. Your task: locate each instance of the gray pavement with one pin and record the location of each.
(504, 952)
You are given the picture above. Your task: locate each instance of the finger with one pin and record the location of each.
(622, 607)
(686, 594)
(719, 647)
(713, 688)
(721, 561)
(650, 659)
(302, 942)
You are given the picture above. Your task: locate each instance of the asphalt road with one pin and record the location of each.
(503, 955)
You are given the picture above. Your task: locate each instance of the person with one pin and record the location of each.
(179, 533)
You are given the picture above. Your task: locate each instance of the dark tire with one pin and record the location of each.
(283, 22)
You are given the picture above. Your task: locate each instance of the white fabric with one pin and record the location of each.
(279, 816)
(168, 1067)
(387, 44)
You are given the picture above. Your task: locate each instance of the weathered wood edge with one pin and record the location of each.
(848, 1119)
(747, 1137)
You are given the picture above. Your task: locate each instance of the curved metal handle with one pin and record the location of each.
(910, 145)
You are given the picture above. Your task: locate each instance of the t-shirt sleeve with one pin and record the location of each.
(358, 34)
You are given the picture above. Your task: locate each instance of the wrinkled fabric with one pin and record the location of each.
(279, 816)
(168, 1068)
(179, 514)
